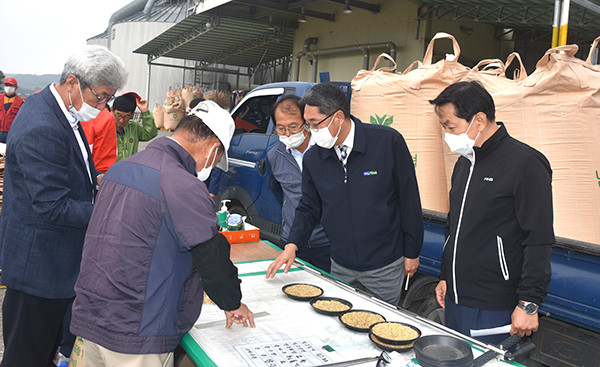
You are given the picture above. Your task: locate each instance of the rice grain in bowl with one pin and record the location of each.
(395, 333)
(330, 306)
(302, 291)
(360, 320)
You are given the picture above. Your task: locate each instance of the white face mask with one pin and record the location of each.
(87, 112)
(9, 90)
(461, 143)
(204, 173)
(323, 137)
(293, 141)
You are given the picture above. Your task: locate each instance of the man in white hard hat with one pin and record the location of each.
(153, 246)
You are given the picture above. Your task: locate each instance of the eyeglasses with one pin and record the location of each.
(315, 127)
(281, 130)
(102, 99)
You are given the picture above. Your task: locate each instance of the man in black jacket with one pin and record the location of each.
(499, 236)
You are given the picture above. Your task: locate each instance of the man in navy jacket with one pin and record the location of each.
(49, 188)
(360, 183)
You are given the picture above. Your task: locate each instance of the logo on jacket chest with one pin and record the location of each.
(488, 179)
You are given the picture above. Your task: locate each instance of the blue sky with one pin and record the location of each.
(38, 36)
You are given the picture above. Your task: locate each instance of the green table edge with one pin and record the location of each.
(197, 354)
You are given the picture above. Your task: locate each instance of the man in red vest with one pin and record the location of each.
(10, 103)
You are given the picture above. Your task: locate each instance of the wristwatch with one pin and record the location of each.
(530, 308)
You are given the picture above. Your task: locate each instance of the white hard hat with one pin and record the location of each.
(221, 124)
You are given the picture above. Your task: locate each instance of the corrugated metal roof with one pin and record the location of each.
(584, 24)
(162, 11)
(240, 38)
(227, 41)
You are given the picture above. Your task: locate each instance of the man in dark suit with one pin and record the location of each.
(49, 188)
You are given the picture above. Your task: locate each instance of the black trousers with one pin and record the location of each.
(32, 329)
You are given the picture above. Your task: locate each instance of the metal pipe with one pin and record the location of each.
(127, 10)
(555, 22)
(588, 5)
(365, 53)
(305, 48)
(183, 75)
(148, 9)
(564, 22)
(345, 49)
(148, 84)
(315, 65)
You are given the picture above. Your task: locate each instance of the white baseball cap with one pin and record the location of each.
(221, 124)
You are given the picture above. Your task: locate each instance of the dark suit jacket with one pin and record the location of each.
(47, 201)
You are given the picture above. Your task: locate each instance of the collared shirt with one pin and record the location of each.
(298, 155)
(348, 142)
(75, 126)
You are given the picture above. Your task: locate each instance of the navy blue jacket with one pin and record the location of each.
(373, 219)
(287, 173)
(47, 201)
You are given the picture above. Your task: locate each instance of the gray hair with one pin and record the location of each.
(96, 65)
(328, 97)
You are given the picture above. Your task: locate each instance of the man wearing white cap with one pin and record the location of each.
(152, 247)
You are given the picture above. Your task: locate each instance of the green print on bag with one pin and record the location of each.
(415, 160)
(174, 116)
(598, 177)
(382, 120)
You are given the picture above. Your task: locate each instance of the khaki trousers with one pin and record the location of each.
(97, 356)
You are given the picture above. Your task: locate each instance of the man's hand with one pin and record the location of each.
(142, 104)
(99, 178)
(240, 316)
(522, 323)
(440, 293)
(287, 257)
(410, 266)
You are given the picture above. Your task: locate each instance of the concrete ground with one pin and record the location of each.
(3, 290)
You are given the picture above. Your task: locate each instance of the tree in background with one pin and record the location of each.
(1, 77)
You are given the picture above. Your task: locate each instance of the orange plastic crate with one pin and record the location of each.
(249, 234)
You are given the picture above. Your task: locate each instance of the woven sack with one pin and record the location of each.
(401, 100)
(557, 111)
(173, 114)
(188, 94)
(159, 116)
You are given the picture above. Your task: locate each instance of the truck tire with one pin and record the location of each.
(431, 309)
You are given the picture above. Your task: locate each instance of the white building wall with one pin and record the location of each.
(130, 36)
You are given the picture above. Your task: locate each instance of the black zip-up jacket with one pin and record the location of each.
(498, 246)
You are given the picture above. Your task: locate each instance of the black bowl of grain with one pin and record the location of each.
(390, 347)
(302, 291)
(395, 333)
(360, 320)
(330, 306)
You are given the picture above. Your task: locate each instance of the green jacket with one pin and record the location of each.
(134, 133)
